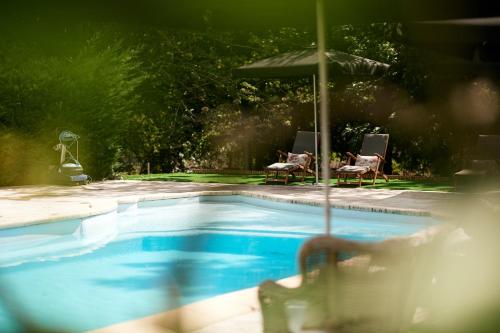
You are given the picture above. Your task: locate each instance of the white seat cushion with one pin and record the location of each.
(282, 166)
(354, 169)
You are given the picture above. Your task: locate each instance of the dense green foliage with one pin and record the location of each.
(168, 98)
(90, 91)
(195, 113)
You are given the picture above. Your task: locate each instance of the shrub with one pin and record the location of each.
(91, 92)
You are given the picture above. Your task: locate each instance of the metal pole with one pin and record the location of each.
(315, 130)
(323, 100)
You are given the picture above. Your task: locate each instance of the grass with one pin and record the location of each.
(201, 178)
(396, 184)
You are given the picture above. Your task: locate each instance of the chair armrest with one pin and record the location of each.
(282, 154)
(380, 156)
(311, 155)
(349, 157)
(306, 165)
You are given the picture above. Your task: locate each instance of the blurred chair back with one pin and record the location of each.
(350, 286)
(375, 144)
(487, 147)
(304, 141)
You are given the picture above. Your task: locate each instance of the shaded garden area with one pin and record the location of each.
(167, 98)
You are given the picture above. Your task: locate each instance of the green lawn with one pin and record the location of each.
(259, 180)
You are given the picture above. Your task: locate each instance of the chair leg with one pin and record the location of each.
(385, 177)
(286, 178)
(360, 177)
(374, 178)
(267, 175)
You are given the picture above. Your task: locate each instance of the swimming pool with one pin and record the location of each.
(157, 255)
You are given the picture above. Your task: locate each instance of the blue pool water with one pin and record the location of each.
(80, 275)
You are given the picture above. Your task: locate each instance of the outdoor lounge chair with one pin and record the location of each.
(297, 161)
(350, 286)
(368, 163)
(483, 166)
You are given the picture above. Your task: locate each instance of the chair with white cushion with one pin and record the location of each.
(297, 161)
(368, 162)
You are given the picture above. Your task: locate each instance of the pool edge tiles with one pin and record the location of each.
(262, 194)
(91, 207)
(283, 198)
(320, 202)
(315, 202)
(301, 206)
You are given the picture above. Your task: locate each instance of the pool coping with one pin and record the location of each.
(108, 208)
(197, 315)
(277, 198)
(111, 205)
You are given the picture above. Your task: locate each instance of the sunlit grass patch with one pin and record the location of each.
(393, 184)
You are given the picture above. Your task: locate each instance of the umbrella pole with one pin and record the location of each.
(315, 130)
(323, 100)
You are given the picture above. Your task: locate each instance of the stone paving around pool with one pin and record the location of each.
(25, 205)
(234, 312)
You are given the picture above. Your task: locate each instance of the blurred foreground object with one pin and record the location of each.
(350, 286)
(444, 279)
(483, 169)
(466, 295)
